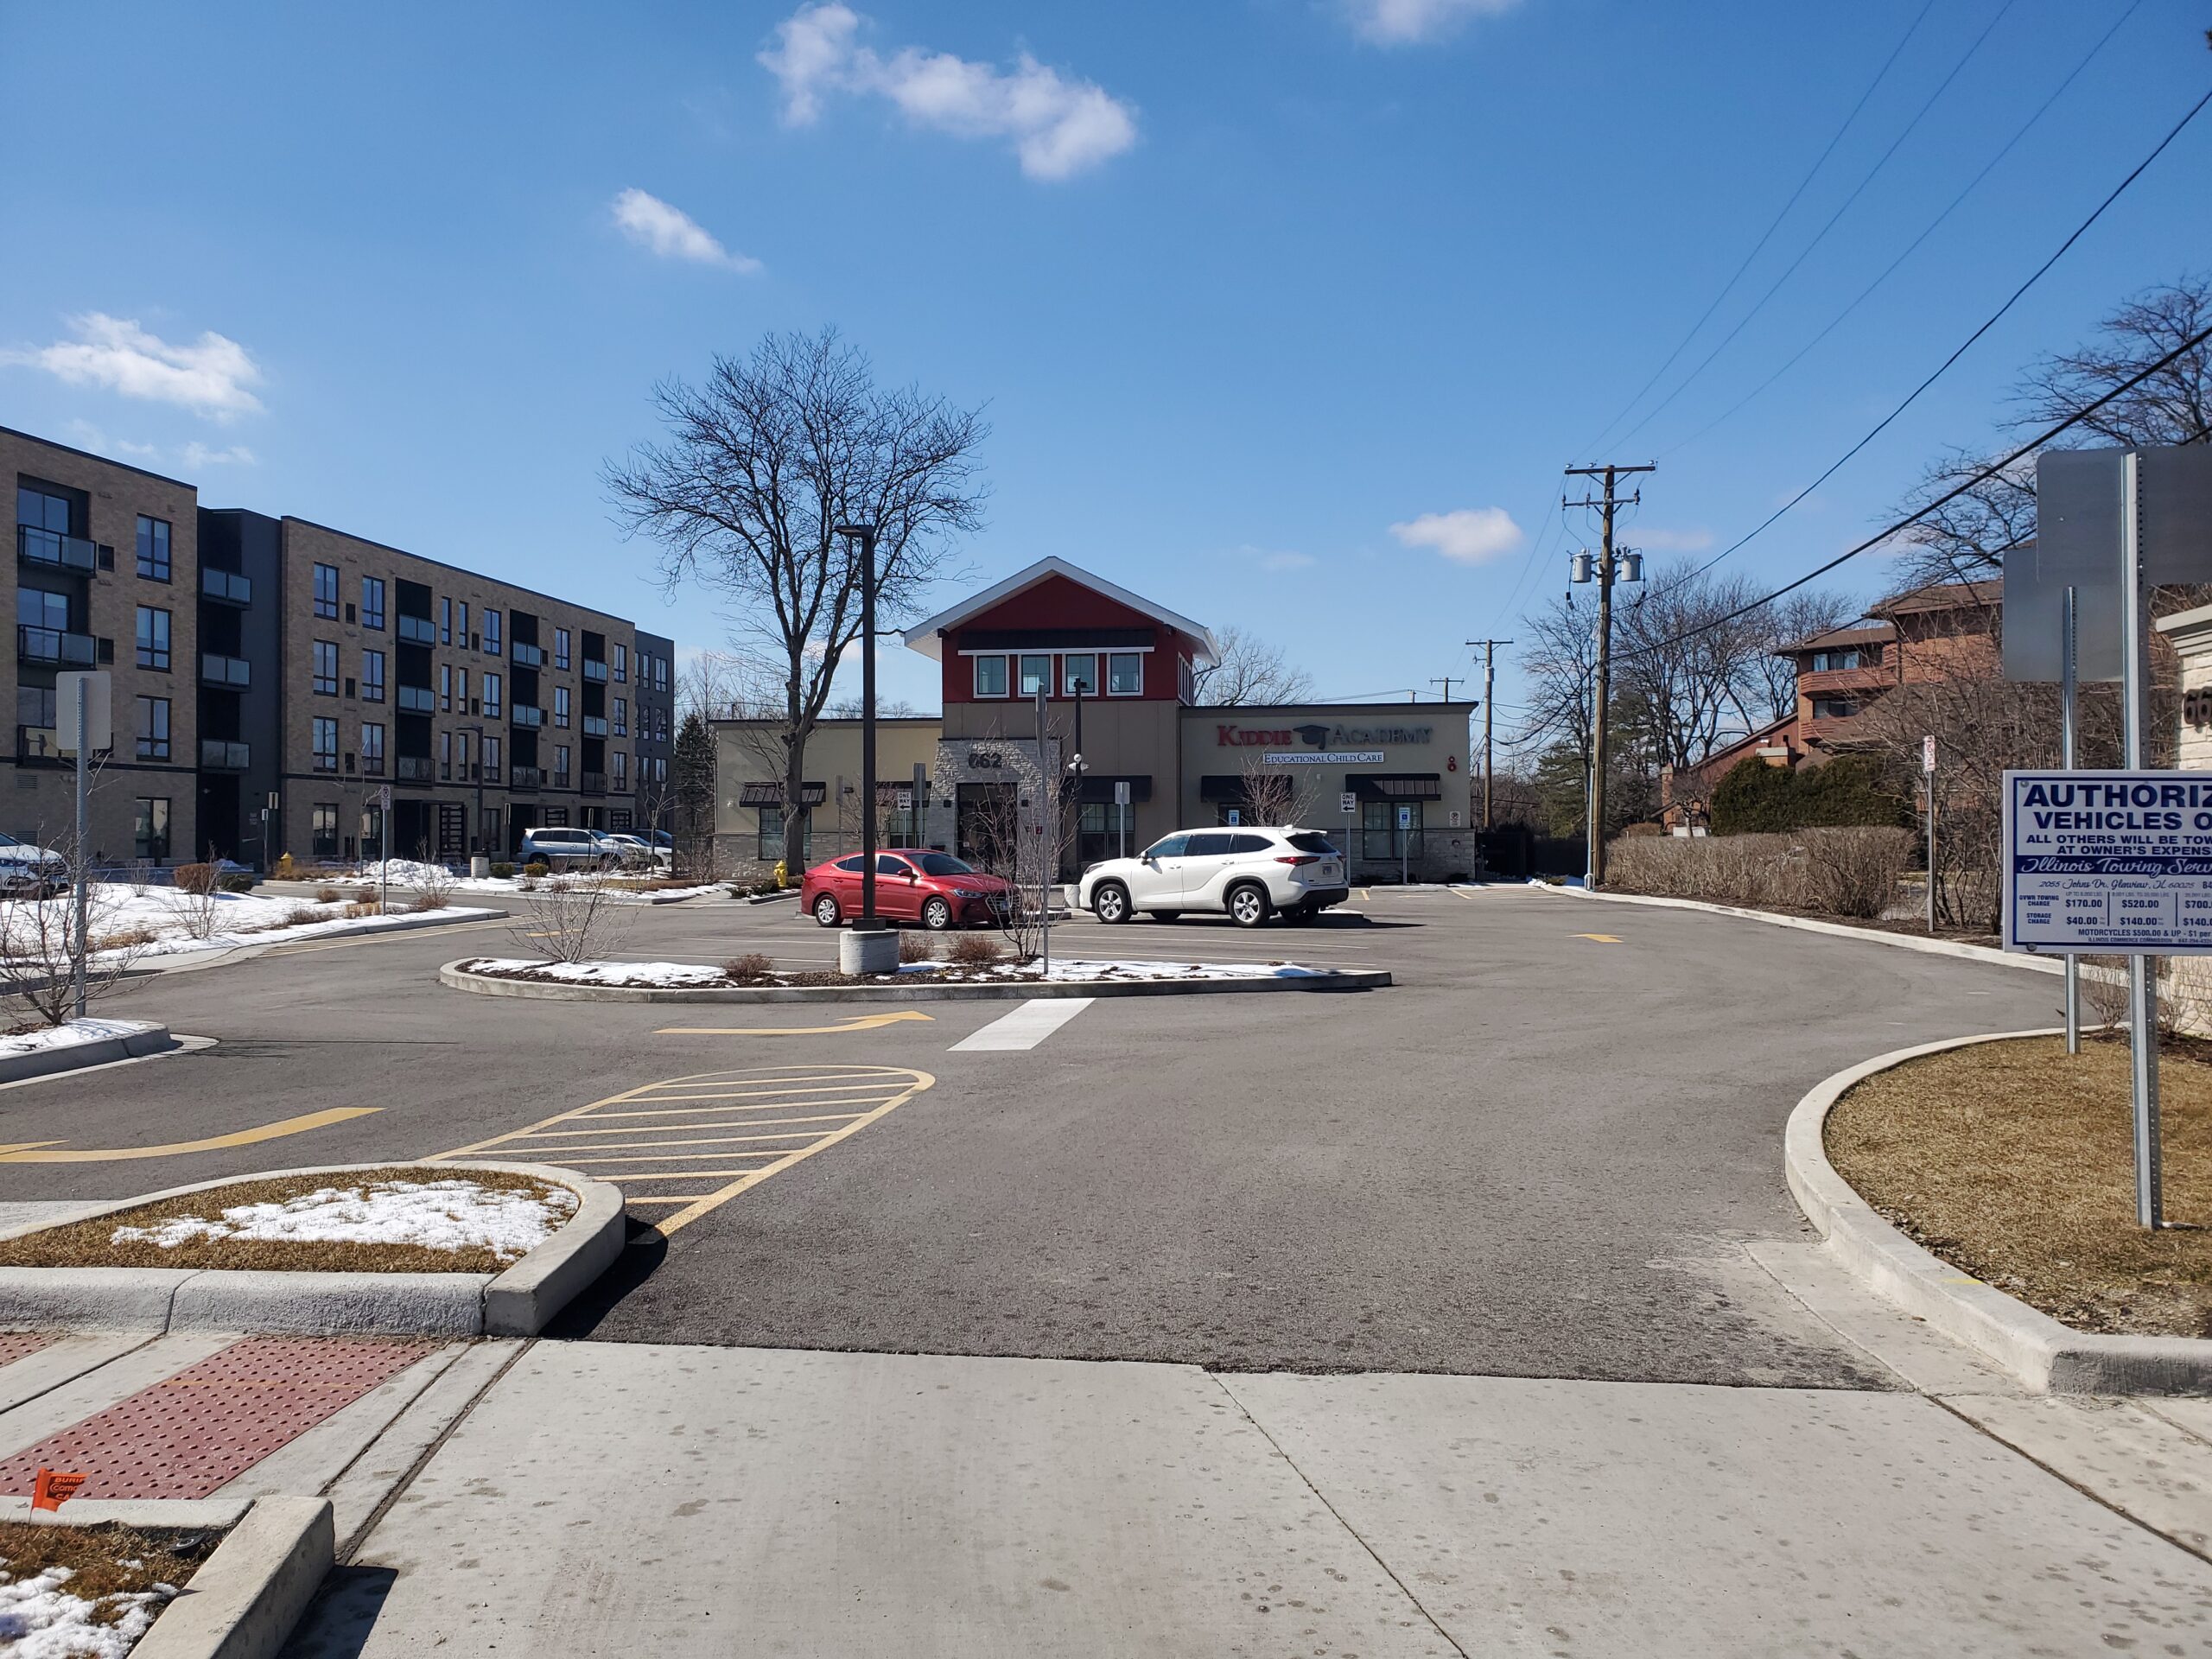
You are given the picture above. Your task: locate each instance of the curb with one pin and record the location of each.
(518, 1301)
(1343, 979)
(1838, 930)
(402, 924)
(75, 1057)
(767, 898)
(2045, 1355)
(245, 1600)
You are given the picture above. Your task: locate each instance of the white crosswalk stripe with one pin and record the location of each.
(1028, 1025)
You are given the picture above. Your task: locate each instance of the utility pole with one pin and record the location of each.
(1490, 675)
(1602, 687)
(1445, 680)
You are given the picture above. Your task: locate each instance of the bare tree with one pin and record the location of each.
(1274, 795)
(1024, 839)
(1693, 647)
(1247, 670)
(762, 463)
(1789, 620)
(574, 918)
(39, 941)
(1965, 539)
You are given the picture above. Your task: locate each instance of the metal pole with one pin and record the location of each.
(1490, 667)
(84, 858)
(868, 728)
(2142, 982)
(1928, 785)
(2068, 692)
(1045, 781)
(1602, 691)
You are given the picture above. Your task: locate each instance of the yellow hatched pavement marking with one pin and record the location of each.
(590, 1140)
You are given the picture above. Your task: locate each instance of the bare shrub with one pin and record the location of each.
(2103, 990)
(198, 899)
(198, 878)
(363, 907)
(328, 896)
(750, 969)
(1851, 871)
(433, 884)
(140, 875)
(1854, 872)
(38, 952)
(577, 918)
(916, 947)
(974, 950)
(302, 916)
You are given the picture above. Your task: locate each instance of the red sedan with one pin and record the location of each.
(935, 889)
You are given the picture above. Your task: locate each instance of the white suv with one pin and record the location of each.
(1244, 871)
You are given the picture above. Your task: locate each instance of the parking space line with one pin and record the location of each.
(1026, 1027)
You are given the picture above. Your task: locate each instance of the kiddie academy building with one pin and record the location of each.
(1154, 760)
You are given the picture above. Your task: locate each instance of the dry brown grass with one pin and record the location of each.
(2014, 1162)
(95, 1556)
(751, 969)
(89, 1244)
(974, 950)
(916, 947)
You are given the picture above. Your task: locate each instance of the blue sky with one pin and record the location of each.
(1245, 284)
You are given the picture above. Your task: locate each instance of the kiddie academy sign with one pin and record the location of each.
(1318, 735)
(2108, 860)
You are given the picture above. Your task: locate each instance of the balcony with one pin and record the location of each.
(528, 656)
(526, 714)
(220, 754)
(37, 745)
(525, 777)
(594, 725)
(595, 672)
(414, 768)
(55, 551)
(418, 630)
(235, 672)
(594, 783)
(55, 647)
(225, 586)
(417, 700)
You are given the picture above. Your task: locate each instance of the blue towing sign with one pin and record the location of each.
(2116, 863)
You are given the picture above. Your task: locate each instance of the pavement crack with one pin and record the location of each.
(1337, 1514)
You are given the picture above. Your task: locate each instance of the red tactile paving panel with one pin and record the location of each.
(187, 1436)
(20, 1345)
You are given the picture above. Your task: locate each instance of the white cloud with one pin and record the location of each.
(1467, 536)
(187, 456)
(673, 234)
(1058, 126)
(213, 375)
(199, 454)
(1669, 541)
(1406, 22)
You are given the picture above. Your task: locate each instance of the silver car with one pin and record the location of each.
(26, 866)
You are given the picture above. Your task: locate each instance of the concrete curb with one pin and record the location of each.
(2036, 1348)
(75, 1057)
(903, 989)
(518, 1301)
(245, 1600)
(767, 898)
(190, 1514)
(1838, 930)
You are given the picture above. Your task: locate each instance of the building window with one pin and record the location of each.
(490, 759)
(43, 510)
(560, 648)
(621, 717)
(326, 744)
(326, 590)
(324, 843)
(772, 834)
(153, 638)
(445, 688)
(1036, 674)
(1125, 674)
(326, 668)
(460, 688)
(153, 728)
(1186, 682)
(372, 833)
(622, 665)
(372, 603)
(660, 673)
(1834, 707)
(990, 676)
(1079, 671)
(460, 746)
(445, 621)
(372, 676)
(494, 687)
(445, 756)
(372, 748)
(561, 705)
(37, 608)
(621, 770)
(559, 767)
(150, 834)
(153, 548)
(1381, 839)
(491, 630)
(460, 623)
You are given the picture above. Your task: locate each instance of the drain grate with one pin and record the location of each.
(22, 1345)
(192, 1434)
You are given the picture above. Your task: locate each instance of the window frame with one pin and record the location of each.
(1023, 686)
(158, 567)
(372, 747)
(1114, 657)
(373, 684)
(324, 604)
(1068, 660)
(151, 653)
(372, 603)
(1006, 681)
(562, 656)
(152, 744)
(319, 728)
(494, 644)
(148, 841)
(324, 653)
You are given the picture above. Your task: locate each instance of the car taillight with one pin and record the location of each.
(1300, 858)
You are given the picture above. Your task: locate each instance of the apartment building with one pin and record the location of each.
(341, 699)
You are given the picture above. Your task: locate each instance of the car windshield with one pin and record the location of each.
(944, 864)
(9, 841)
(1308, 842)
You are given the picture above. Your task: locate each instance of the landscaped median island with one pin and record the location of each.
(2011, 1162)
(90, 1590)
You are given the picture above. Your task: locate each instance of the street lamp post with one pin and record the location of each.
(868, 938)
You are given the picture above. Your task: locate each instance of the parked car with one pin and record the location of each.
(26, 866)
(1245, 872)
(640, 853)
(912, 885)
(569, 849)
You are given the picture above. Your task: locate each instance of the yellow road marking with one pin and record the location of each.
(26, 1152)
(1602, 938)
(864, 1022)
(662, 1129)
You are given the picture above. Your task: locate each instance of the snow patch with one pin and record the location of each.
(71, 1034)
(454, 1215)
(39, 1619)
(652, 975)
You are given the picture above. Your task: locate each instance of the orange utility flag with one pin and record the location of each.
(50, 1489)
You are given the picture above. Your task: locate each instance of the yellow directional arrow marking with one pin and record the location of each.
(1602, 938)
(864, 1022)
(27, 1151)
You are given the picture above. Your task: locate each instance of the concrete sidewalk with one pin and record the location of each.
(610, 1498)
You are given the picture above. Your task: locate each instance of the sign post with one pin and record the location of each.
(1122, 811)
(86, 717)
(2068, 696)
(1047, 800)
(1405, 844)
(1348, 804)
(1928, 787)
(384, 846)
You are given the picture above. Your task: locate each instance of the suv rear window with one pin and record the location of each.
(1307, 841)
(1205, 846)
(1249, 844)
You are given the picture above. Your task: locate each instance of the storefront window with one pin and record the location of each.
(1125, 674)
(1036, 674)
(1380, 838)
(990, 676)
(1079, 668)
(772, 834)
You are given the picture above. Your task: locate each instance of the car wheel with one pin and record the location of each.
(825, 910)
(1110, 904)
(1249, 905)
(937, 915)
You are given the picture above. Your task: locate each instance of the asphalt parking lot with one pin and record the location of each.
(1543, 1152)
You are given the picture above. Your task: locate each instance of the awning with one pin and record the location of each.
(1395, 785)
(773, 794)
(1216, 787)
(1099, 786)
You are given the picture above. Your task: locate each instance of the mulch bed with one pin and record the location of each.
(104, 1559)
(2014, 1162)
(89, 1244)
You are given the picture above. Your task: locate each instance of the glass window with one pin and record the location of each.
(561, 764)
(372, 676)
(945, 864)
(153, 548)
(372, 603)
(621, 769)
(622, 665)
(445, 621)
(621, 717)
(326, 668)
(326, 590)
(1203, 845)
(490, 759)
(560, 648)
(460, 688)
(326, 744)
(150, 833)
(990, 676)
(491, 630)
(1307, 841)
(1079, 668)
(1167, 846)
(561, 705)
(461, 625)
(445, 756)
(445, 688)
(153, 728)
(36, 608)
(660, 673)
(325, 827)
(372, 748)
(1381, 839)
(494, 689)
(772, 834)
(41, 511)
(1036, 672)
(1125, 674)
(153, 638)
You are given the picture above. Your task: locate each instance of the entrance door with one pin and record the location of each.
(987, 817)
(452, 832)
